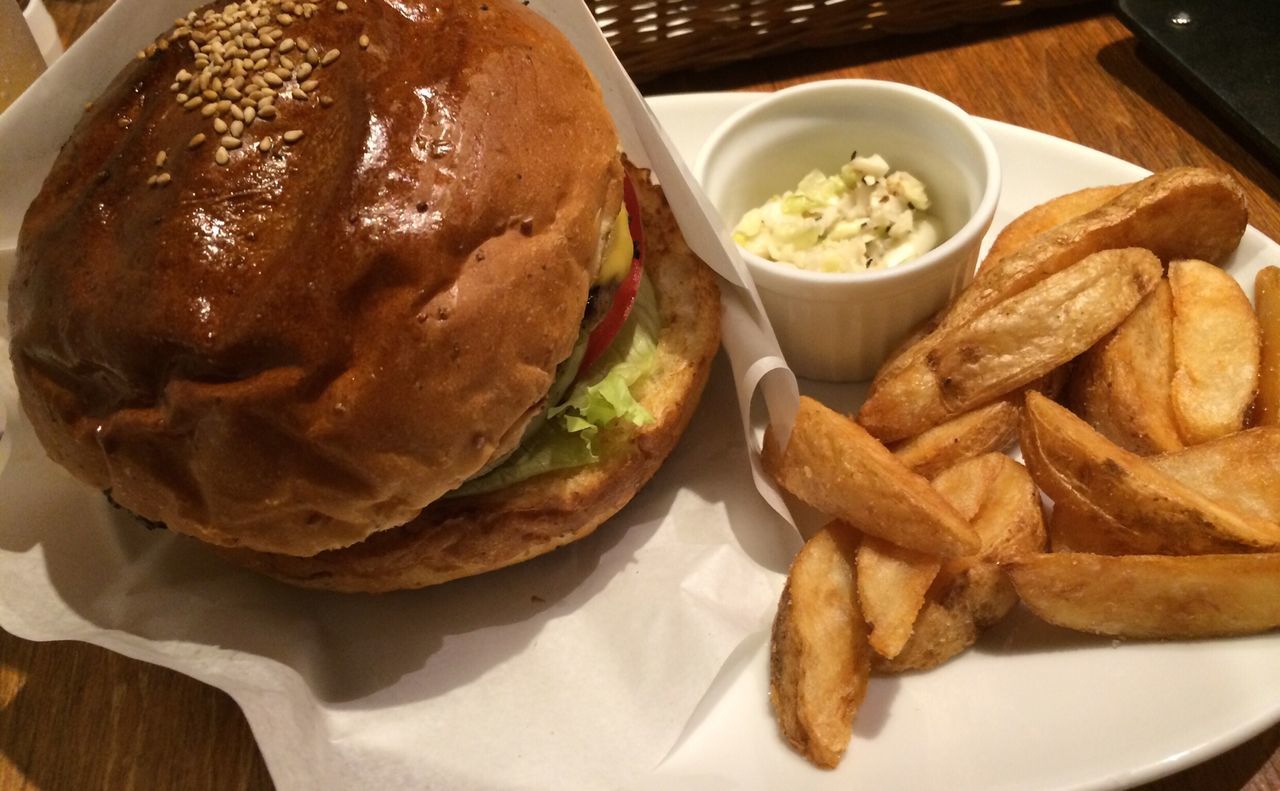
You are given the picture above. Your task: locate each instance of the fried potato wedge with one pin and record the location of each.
(1080, 468)
(1152, 596)
(819, 659)
(971, 593)
(1121, 386)
(834, 465)
(1046, 217)
(1073, 529)
(1034, 332)
(1180, 213)
(985, 429)
(1216, 351)
(892, 583)
(1267, 296)
(1240, 470)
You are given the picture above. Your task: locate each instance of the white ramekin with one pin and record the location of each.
(839, 327)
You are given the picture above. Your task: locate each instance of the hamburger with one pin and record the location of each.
(362, 295)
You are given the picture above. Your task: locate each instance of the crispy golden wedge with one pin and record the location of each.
(1121, 386)
(892, 583)
(1047, 216)
(1181, 213)
(1079, 467)
(1073, 529)
(1267, 296)
(1216, 351)
(1031, 334)
(832, 464)
(819, 660)
(1241, 470)
(984, 430)
(1152, 596)
(969, 594)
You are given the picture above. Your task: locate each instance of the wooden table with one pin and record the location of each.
(73, 716)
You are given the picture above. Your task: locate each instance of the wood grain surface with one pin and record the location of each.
(73, 716)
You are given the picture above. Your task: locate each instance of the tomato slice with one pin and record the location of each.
(625, 296)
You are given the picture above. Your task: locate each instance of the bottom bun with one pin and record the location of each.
(463, 536)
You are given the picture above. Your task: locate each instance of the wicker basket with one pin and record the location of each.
(653, 37)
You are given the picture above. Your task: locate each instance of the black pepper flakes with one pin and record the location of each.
(526, 226)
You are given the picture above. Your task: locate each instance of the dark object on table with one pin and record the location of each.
(1225, 49)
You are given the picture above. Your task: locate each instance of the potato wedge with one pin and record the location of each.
(1240, 470)
(1171, 213)
(1076, 529)
(1267, 296)
(1079, 467)
(985, 429)
(892, 583)
(1048, 216)
(1152, 596)
(969, 594)
(1216, 351)
(819, 659)
(1032, 333)
(1121, 386)
(832, 464)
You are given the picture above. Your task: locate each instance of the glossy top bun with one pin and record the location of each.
(289, 350)
(460, 536)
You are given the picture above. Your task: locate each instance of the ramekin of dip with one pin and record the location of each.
(859, 207)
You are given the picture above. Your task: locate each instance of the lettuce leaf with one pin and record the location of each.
(569, 436)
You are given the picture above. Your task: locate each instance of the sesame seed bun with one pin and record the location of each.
(459, 537)
(322, 320)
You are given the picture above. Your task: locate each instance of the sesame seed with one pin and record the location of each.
(237, 128)
(304, 71)
(163, 179)
(285, 46)
(364, 42)
(221, 156)
(287, 62)
(293, 136)
(299, 95)
(220, 126)
(249, 115)
(302, 43)
(310, 85)
(330, 57)
(267, 112)
(325, 101)
(341, 6)
(230, 143)
(284, 19)
(265, 145)
(151, 181)
(210, 95)
(195, 141)
(193, 103)
(160, 158)
(224, 105)
(237, 112)
(273, 79)
(208, 110)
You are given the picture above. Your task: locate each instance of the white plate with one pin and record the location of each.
(1031, 706)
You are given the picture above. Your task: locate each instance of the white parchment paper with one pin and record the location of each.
(579, 669)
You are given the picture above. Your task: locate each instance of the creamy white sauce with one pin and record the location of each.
(863, 217)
